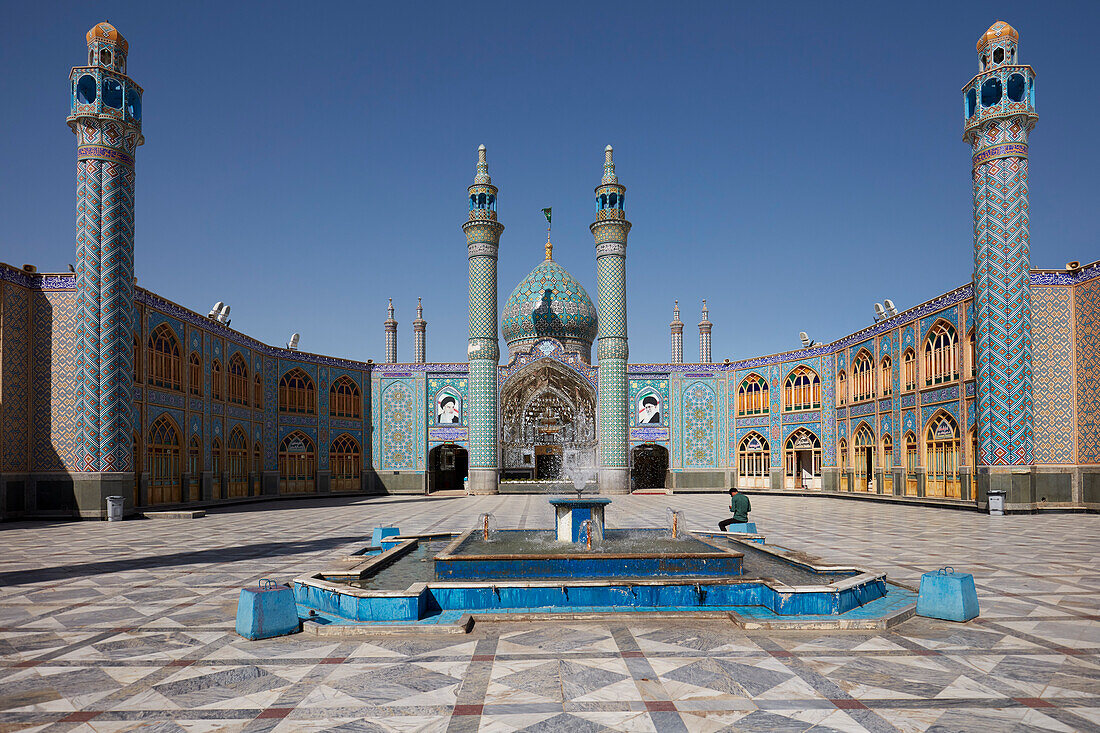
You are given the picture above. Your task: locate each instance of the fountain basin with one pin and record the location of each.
(571, 514)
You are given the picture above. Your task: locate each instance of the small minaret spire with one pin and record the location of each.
(704, 336)
(420, 333)
(677, 327)
(391, 335)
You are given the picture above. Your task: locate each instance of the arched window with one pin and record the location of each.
(754, 459)
(297, 464)
(237, 453)
(344, 462)
(909, 369)
(216, 467)
(863, 459)
(841, 388)
(297, 394)
(258, 392)
(752, 396)
(887, 464)
(344, 399)
(910, 464)
(194, 468)
(941, 354)
(238, 380)
(842, 462)
(802, 390)
(137, 359)
(887, 376)
(164, 358)
(942, 452)
(164, 462)
(258, 465)
(863, 377)
(973, 354)
(194, 374)
(802, 460)
(216, 380)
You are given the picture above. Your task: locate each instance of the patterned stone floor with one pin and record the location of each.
(127, 626)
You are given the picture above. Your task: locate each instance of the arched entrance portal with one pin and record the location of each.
(803, 460)
(547, 415)
(649, 465)
(448, 466)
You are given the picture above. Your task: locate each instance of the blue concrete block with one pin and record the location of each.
(947, 595)
(748, 527)
(381, 533)
(266, 610)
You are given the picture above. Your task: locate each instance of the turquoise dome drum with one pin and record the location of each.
(550, 303)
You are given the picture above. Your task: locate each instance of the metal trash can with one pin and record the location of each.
(997, 502)
(114, 508)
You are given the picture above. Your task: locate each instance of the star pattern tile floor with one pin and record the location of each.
(129, 626)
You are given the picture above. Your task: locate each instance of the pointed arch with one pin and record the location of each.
(941, 354)
(194, 468)
(752, 396)
(802, 460)
(841, 388)
(886, 376)
(163, 447)
(700, 426)
(258, 391)
(237, 455)
(215, 380)
(344, 399)
(942, 451)
(842, 463)
(754, 457)
(216, 467)
(297, 393)
(972, 353)
(802, 390)
(297, 464)
(863, 457)
(887, 464)
(911, 463)
(909, 369)
(164, 358)
(238, 380)
(137, 358)
(194, 374)
(863, 376)
(344, 461)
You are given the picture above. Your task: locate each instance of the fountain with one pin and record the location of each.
(487, 525)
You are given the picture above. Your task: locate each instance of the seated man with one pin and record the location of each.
(740, 506)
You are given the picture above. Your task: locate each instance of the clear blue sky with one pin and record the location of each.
(792, 163)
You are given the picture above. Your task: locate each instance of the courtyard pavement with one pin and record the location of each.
(127, 626)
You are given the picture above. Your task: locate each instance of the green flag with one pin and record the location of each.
(546, 213)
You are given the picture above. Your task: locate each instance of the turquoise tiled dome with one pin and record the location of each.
(549, 302)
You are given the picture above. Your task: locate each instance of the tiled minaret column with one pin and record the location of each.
(677, 327)
(391, 335)
(704, 337)
(610, 231)
(482, 241)
(999, 114)
(106, 118)
(420, 333)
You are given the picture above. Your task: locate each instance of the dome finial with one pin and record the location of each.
(549, 249)
(609, 166)
(482, 167)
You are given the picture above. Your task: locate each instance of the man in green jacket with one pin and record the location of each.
(740, 506)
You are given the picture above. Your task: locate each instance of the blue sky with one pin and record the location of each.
(792, 164)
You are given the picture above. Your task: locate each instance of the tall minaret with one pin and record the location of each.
(677, 327)
(704, 336)
(106, 118)
(420, 333)
(482, 241)
(999, 114)
(391, 335)
(610, 231)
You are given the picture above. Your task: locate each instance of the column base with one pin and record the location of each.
(614, 481)
(91, 489)
(484, 481)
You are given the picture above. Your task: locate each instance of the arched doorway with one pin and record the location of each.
(911, 480)
(802, 460)
(547, 410)
(842, 463)
(649, 466)
(237, 453)
(448, 465)
(297, 464)
(754, 462)
(887, 464)
(165, 477)
(344, 463)
(942, 443)
(863, 460)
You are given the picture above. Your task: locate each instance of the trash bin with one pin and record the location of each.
(114, 508)
(997, 502)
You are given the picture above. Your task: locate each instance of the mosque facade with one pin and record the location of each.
(107, 388)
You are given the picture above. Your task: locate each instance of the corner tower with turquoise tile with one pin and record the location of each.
(106, 118)
(610, 231)
(483, 352)
(999, 112)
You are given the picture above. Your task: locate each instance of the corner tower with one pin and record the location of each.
(105, 115)
(705, 327)
(482, 241)
(391, 334)
(999, 114)
(677, 329)
(420, 334)
(610, 231)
